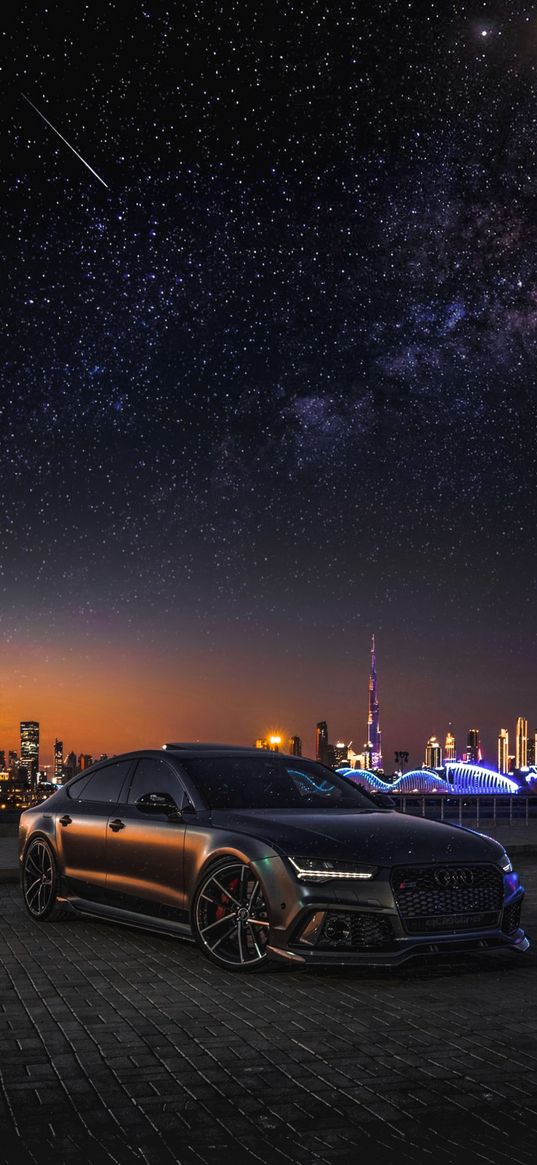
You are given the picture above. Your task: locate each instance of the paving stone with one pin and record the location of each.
(118, 1046)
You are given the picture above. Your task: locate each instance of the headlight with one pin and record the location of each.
(505, 864)
(321, 869)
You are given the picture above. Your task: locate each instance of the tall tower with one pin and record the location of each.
(503, 751)
(295, 746)
(450, 747)
(433, 753)
(58, 761)
(321, 743)
(373, 717)
(30, 749)
(473, 745)
(521, 743)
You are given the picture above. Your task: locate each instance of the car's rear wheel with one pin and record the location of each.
(40, 882)
(230, 917)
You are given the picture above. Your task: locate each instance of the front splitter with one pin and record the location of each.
(437, 949)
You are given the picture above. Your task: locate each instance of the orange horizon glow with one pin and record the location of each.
(112, 700)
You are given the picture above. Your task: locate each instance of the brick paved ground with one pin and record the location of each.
(117, 1046)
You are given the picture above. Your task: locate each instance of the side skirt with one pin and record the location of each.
(98, 910)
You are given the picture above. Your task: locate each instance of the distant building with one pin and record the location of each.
(521, 743)
(433, 753)
(450, 747)
(341, 752)
(57, 771)
(374, 736)
(2, 760)
(85, 761)
(324, 751)
(295, 746)
(532, 749)
(359, 760)
(270, 743)
(29, 730)
(503, 751)
(70, 766)
(12, 760)
(473, 745)
(321, 742)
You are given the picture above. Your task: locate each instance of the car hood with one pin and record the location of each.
(383, 838)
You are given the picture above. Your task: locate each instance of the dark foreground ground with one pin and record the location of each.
(116, 1046)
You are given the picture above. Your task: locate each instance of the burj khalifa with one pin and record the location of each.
(374, 738)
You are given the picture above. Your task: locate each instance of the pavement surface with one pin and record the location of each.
(123, 1047)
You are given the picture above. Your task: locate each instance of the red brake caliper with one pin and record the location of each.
(225, 901)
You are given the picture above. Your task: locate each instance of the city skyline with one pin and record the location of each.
(463, 740)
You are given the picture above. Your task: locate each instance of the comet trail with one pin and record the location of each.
(45, 119)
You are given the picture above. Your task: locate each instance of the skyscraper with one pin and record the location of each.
(58, 762)
(433, 753)
(503, 751)
(532, 750)
(295, 746)
(70, 766)
(521, 743)
(321, 742)
(450, 747)
(473, 745)
(30, 748)
(373, 716)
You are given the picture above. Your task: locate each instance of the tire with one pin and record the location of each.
(40, 882)
(230, 891)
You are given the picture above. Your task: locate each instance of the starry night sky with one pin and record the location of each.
(274, 388)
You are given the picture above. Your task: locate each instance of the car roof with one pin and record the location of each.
(197, 746)
(187, 750)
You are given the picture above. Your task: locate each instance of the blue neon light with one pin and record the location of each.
(460, 778)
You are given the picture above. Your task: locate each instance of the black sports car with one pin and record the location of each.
(260, 856)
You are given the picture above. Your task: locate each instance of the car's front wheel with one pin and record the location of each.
(230, 917)
(40, 882)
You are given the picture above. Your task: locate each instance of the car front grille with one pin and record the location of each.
(511, 918)
(355, 931)
(447, 897)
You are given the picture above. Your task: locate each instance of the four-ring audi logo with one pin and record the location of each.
(453, 879)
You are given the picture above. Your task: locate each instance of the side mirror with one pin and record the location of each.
(158, 803)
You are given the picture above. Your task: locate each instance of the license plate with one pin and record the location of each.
(456, 922)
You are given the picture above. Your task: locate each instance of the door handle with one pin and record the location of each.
(65, 820)
(116, 825)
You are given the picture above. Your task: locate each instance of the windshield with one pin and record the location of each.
(233, 782)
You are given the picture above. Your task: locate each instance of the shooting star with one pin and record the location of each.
(45, 119)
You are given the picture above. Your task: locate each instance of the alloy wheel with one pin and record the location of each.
(39, 879)
(231, 916)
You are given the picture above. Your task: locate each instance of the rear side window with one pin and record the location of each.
(74, 788)
(105, 784)
(155, 776)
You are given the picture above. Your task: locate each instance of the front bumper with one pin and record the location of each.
(372, 929)
(448, 946)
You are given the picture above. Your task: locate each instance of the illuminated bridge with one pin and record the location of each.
(460, 778)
